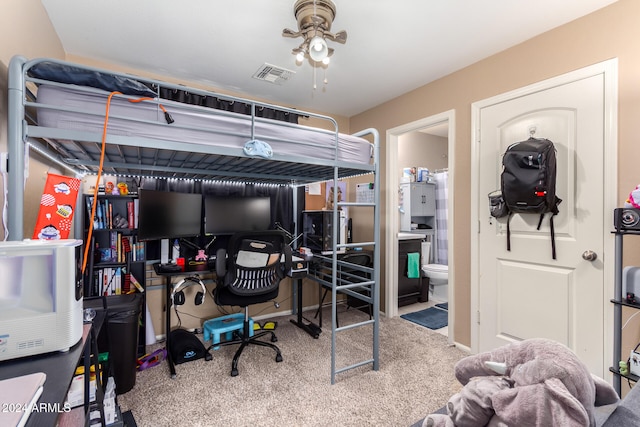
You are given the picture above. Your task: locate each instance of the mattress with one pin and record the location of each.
(71, 108)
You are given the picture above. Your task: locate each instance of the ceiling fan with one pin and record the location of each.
(314, 25)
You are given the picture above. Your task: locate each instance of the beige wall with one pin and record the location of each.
(25, 30)
(608, 33)
(419, 149)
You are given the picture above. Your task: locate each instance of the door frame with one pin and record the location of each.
(609, 69)
(393, 218)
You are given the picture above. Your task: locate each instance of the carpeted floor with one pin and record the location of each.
(415, 378)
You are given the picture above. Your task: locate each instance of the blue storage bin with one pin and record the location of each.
(214, 328)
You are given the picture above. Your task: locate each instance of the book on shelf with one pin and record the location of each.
(117, 281)
(99, 216)
(137, 253)
(130, 214)
(113, 245)
(126, 247)
(110, 215)
(136, 207)
(110, 281)
(117, 286)
(135, 282)
(121, 249)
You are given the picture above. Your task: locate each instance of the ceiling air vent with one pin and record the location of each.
(272, 74)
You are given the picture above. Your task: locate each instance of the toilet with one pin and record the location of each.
(438, 275)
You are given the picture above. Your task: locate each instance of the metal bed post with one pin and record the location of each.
(294, 288)
(334, 263)
(15, 116)
(376, 249)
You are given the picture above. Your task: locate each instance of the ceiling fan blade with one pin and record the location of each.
(290, 33)
(341, 37)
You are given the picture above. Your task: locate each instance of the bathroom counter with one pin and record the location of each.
(409, 235)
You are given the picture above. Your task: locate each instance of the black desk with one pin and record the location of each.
(167, 313)
(304, 324)
(297, 275)
(59, 368)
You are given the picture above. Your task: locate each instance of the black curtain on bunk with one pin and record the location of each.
(227, 105)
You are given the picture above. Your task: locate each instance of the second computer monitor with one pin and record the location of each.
(228, 215)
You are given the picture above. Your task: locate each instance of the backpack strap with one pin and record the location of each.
(553, 237)
(509, 231)
(552, 230)
(554, 212)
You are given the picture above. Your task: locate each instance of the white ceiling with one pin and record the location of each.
(393, 46)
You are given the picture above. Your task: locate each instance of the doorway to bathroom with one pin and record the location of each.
(426, 143)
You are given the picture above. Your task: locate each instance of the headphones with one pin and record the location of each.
(177, 295)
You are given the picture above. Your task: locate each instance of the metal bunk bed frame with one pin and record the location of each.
(76, 151)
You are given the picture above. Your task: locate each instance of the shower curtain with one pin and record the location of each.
(441, 179)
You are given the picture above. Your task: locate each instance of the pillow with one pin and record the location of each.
(69, 74)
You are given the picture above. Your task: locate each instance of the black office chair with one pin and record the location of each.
(249, 272)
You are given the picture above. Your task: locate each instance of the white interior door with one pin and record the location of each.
(524, 293)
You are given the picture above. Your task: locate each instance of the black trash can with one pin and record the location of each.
(121, 326)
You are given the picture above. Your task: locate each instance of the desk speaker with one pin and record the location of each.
(626, 219)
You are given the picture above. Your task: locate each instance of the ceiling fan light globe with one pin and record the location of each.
(319, 49)
(299, 57)
(326, 60)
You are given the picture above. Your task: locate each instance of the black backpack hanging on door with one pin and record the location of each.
(528, 182)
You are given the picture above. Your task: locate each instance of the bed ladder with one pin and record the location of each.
(372, 285)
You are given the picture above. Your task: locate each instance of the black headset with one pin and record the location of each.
(177, 295)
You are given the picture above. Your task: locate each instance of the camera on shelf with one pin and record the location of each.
(631, 298)
(626, 219)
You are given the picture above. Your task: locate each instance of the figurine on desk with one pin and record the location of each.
(199, 262)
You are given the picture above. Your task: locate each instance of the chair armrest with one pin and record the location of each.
(288, 255)
(221, 262)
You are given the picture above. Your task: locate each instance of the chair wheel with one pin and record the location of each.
(279, 358)
(234, 372)
(274, 338)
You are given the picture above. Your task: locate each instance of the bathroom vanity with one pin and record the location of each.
(410, 290)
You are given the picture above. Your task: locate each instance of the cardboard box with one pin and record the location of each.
(75, 396)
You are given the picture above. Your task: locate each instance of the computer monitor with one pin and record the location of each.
(168, 214)
(228, 215)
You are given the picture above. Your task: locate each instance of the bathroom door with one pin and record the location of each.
(524, 293)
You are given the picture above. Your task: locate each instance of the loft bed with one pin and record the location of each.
(58, 109)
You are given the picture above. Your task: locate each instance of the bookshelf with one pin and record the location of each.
(116, 257)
